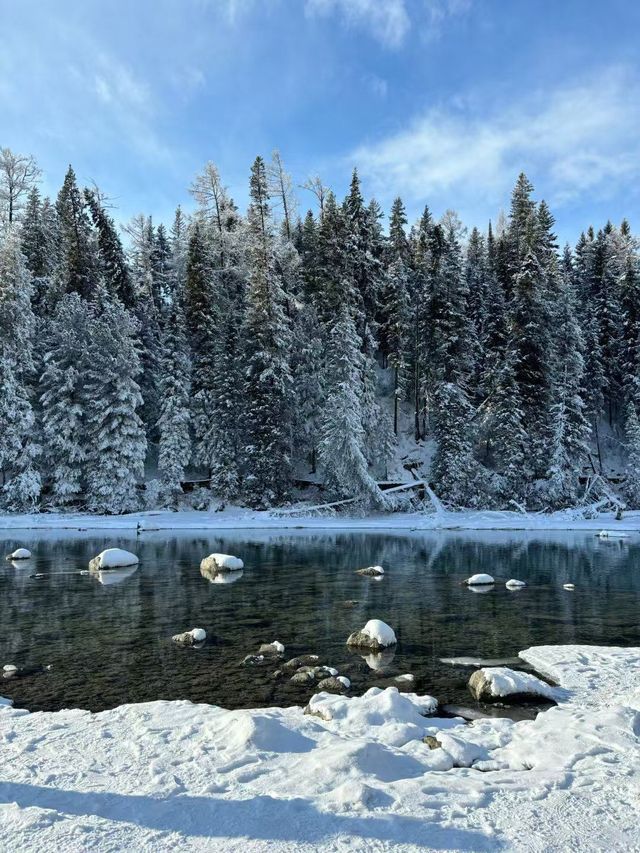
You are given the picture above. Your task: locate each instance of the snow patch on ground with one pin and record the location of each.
(355, 774)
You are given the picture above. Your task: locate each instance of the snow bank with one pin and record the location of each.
(20, 554)
(113, 558)
(479, 580)
(352, 773)
(222, 563)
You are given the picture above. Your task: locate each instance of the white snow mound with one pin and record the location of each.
(114, 558)
(479, 580)
(514, 584)
(502, 681)
(222, 562)
(380, 631)
(198, 634)
(20, 554)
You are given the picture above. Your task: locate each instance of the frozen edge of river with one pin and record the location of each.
(173, 775)
(235, 518)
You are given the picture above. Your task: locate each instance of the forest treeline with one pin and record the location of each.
(255, 349)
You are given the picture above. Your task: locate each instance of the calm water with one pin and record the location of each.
(110, 643)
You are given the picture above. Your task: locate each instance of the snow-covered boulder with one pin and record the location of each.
(568, 586)
(514, 584)
(215, 563)
(500, 682)
(274, 648)
(113, 558)
(479, 580)
(20, 554)
(334, 684)
(375, 635)
(371, 572)
(190, 638)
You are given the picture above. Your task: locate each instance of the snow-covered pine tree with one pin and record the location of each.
(113, 262)
(174, 442)
(610, 268)
(343, 462)
(570, 428)
(268, 386)
(114, 434)
(631, 329)
(78, 267)
(19, 448)
(220, 412)
(507, 435)
(396, 314)
(632, 469)
(456, 473)
(63, 400)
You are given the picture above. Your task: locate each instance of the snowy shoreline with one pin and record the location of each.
(356, 776)
(239, 519)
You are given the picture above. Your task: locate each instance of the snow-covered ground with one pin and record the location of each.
(355, 774)
(237, 518)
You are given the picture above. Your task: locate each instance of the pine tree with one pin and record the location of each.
(454, 469)
(78, 266)
(268, 377)
(18, 447)
(397, 317)
(632, 470)
(113, 262)
(114, 433)
(343, 462)
(174, 446)
(63, 400)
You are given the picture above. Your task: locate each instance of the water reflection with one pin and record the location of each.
(109, 642)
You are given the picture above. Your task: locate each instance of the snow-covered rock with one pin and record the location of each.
(371, 571)
(302, 660)
(274, 648)
(514, 584)
(569, 586)
(491, 683)
(9, 668)
(20, 554)
(375, 635)
(334, 684)
(221, 563)
(190, 638)
(406, 678)
(479, 580)
(113, 558)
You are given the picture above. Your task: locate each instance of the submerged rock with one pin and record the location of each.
(375, 635)
(492, 683)
(254, 660)
(302, 660)
(113, 558)
(195, 637)
(20, 554)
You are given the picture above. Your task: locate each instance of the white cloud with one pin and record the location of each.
(386, 20)
(438, 11)
(579, 139)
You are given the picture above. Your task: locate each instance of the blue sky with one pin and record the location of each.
(440, 101)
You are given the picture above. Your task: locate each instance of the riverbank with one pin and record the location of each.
(236, 518)
(354, 776)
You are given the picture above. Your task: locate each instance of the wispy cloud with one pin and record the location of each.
(386, 20)
(578, 140)
(438, 12)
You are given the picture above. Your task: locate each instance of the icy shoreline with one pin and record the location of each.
(178, 776)
(236, 518)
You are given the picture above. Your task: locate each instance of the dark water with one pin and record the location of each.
(110, 644)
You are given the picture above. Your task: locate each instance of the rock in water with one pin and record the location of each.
(221, 563)
(374, 636)
(514, 584)
(371, 572)
(20, 554)
(500, 682)
(113, 558)
(479, 580)
(274, 648)
(302, 660)
(190, 638)
(334, 684)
